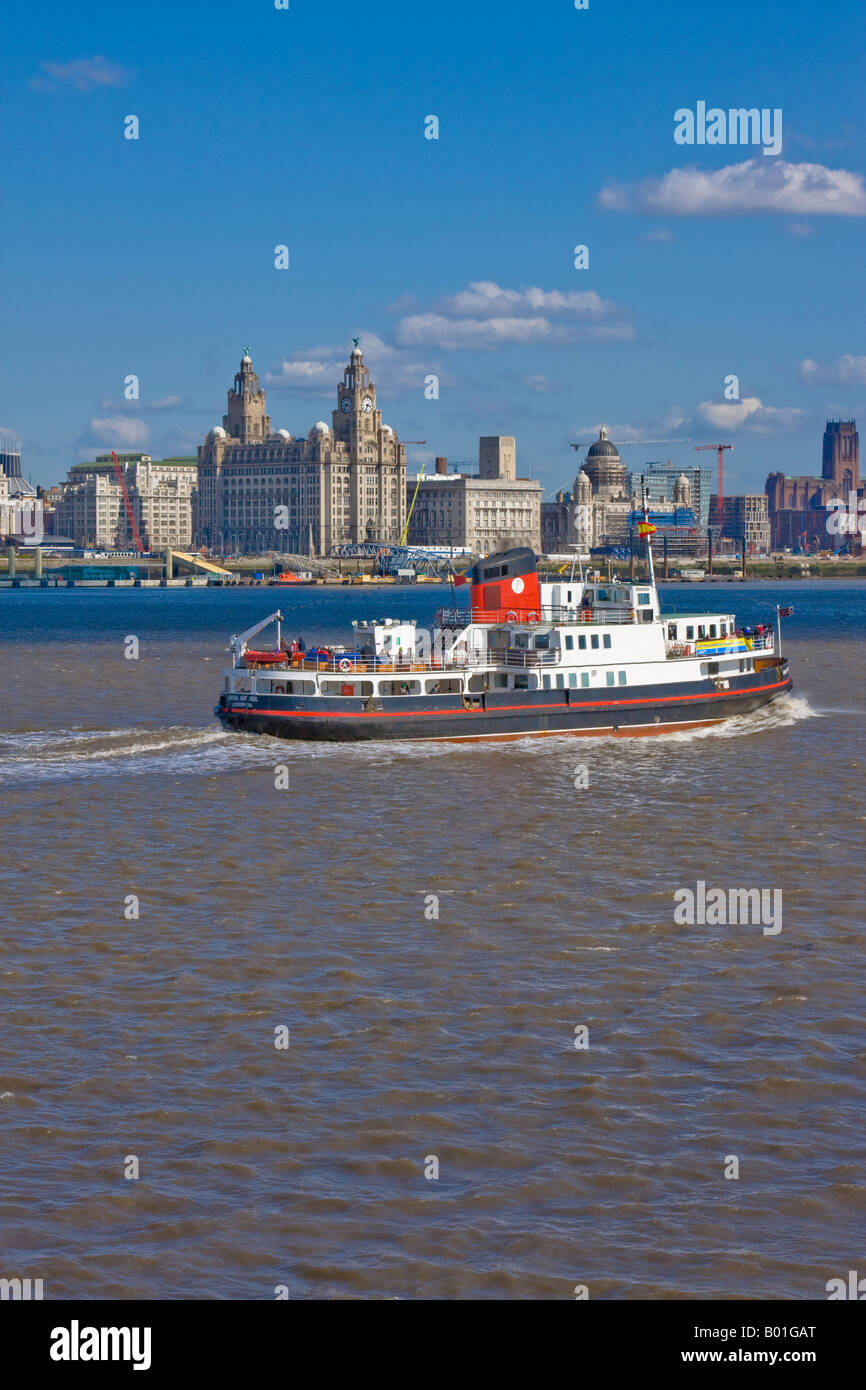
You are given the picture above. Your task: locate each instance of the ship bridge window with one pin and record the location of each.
(542, 641)
(690, 634)
(643, 596)
(712, 629)
(569, 642)
(521, 640)
(702, 630)
(524, 681)
(603, 596)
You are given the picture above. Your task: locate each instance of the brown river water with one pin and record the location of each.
(418, 1040)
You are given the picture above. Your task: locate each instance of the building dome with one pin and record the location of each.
(284, 434)
(217, 433)
(247, 360)
(387, 429)
(683, 490)
(603, 447)
(582, 487)
(604, 467)
(322, 428)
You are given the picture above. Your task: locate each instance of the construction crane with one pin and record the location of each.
(133, 524)
(405, 531)
(630, 442)
(698, 448)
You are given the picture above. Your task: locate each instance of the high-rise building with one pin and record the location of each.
(262, 490)
(483, 513)
(160, 491)
(661, 480)
(745, 516)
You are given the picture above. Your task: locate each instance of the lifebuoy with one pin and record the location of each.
(511, 616)
(346, 664)
(534, 618)
(279, 690)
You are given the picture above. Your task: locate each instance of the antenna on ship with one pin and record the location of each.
(646, 529)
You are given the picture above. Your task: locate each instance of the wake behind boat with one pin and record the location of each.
(578, 656)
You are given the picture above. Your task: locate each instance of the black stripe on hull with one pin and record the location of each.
(643, 716)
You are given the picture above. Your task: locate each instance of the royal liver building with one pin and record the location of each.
(259, 490)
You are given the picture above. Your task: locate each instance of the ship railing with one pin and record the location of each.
(712, 647)
(546, 614)
(447, 660)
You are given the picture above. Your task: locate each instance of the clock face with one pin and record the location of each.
(345, 405)
(367, 404)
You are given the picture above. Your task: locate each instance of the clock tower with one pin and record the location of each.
(368, 468)
(357, 422)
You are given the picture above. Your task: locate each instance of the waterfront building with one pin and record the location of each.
(161, 494)
(343, 482)
(740, 516)
(605, 504)
(480, 513)
(661, 481)
(798, 504)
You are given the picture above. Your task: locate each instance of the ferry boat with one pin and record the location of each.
(574, 656)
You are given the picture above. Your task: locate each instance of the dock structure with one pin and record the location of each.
(189, 561)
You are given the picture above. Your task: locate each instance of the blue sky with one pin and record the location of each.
(454, 256)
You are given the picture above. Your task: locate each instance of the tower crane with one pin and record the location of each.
(133, 524)
(698, 448)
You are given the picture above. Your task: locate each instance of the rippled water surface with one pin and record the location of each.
(413, 1036)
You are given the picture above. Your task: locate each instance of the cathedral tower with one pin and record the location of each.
(841, 457)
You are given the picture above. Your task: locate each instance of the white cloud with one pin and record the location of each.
(113, 430)
(755, 186)
(845, 371)
(664, 427)
(539, 382)
(662, 234)
(801, 229)
(317, 369)
(434, 330)
(487, 315)
(84, 74)
(485, 299)
(752, 415)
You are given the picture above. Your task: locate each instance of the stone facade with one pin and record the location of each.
(161, 492)
(798, 504)
(343, 482)
(603, 506)
(490, 512)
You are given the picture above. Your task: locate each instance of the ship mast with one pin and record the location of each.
(649, 544)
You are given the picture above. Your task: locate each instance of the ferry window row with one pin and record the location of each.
(611, 677)
(705, 630)
(595, 641)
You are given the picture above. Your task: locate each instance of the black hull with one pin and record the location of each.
(551, 712)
